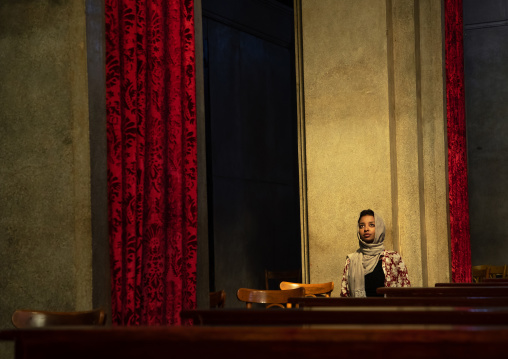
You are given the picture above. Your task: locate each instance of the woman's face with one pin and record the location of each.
(367, 228)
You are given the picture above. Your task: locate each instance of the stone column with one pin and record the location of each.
(45, 215)
(372, 120)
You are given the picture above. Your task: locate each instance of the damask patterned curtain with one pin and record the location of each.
(152, 161)
(457, 144)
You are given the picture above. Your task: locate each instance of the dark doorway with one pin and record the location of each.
(486, 75)
(252, 156)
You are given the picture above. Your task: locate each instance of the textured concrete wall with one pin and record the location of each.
(433, 184)
(347, 126)
(45, 235)
(374, 131)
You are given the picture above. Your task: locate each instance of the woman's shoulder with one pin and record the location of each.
(353, 255)
(392, 254)
(388, 252)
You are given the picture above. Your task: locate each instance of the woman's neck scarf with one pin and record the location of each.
(365, 259)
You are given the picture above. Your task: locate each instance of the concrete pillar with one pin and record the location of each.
(45, 225)
(372, 120)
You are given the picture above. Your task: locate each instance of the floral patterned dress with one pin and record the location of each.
(393, 267)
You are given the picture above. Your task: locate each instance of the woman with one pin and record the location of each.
(372, 266)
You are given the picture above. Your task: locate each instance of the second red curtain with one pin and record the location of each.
(457, 143)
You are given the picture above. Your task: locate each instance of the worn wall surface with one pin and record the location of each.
(374, 116)
(486, 75)
(45, 234)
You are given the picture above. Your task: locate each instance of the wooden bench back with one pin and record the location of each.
(400, 302)
(495, 280)
(474, 291)
(274, 298)
(218, 299)
(497, 271)
(40, 318)
(261, 342)
(479, 273)
(480, 284)
(350, 316)
(277, 276)
(311, 290)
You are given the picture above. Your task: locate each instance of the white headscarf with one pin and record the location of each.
(365, 259)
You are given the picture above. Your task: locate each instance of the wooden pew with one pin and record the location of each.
(479, 284)
(475, 291)
(258, 342)
(350, 316)
(496, 280)
(400, 302)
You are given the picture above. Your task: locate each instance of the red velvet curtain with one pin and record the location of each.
(457, 146)
(152, 161)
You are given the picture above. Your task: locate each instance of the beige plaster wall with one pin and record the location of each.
(45, 234)
(374, 132)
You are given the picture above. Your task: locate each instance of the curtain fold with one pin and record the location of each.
(152, 159)
(457, 143)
